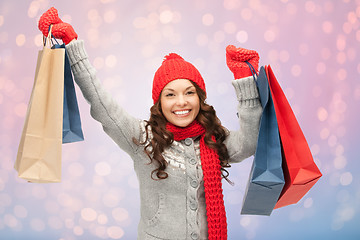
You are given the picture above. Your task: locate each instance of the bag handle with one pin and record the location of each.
(50, 37)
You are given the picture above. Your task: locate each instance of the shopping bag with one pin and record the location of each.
(72, 131)
(300, 170)
(266, 178)
(39, 153)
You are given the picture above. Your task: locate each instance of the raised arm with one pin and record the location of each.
(242, 143)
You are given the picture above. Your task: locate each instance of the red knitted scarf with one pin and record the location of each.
(215, 208)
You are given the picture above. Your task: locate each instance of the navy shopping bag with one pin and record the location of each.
(266, 178)
(72, 131)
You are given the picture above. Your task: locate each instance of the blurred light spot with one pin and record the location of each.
(115, 232)
(245, 222)
(166, 16)
(140, 22)
(339, 150)
(315, 149)
(310, 6)
(327, 27)
(231, 4)
(308, 203)
(322, 114)
(1, 20)
(230, 27)
(76, 169)
(303, 49)
(341, 57)
(320, 68)
(109, 16)
(69, 223)
(296, 70)
(340, 162)
(269, 36)
(120, 214)
(347, 27)
(284, 56)
(219, 36)
(38, 40)
(246, 14)
(20, 109)
(20, 40)
(88, 214)
(20, 211)
(33, 9)
(346, 214)
(64, 199)
(10, 221)
(208, 19)
(346, 178)
(37, 224)
(332, 140)
(102, 219)
(242, 36)
(102, 168)
(78, 230)
(93, 14)
(291, 9)
(342, 74)
(110, 61)
(351, 54)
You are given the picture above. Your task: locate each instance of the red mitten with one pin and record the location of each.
(236, 61)
(60, 29)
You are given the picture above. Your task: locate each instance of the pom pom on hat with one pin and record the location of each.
(174, 67)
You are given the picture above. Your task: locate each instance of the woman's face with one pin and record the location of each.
(180, 102)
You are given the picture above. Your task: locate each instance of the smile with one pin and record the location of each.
(182, 112)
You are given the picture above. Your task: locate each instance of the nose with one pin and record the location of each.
(181, 100)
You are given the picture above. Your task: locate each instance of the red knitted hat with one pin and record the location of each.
(174, 67)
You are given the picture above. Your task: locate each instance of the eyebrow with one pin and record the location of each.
(170, 89)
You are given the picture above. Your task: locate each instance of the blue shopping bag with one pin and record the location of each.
(266, 178)
(72, 131)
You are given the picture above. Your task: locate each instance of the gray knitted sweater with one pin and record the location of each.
(173, 208)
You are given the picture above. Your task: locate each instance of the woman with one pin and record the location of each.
(180, 153)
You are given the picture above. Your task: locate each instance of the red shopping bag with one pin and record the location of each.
(300, 170)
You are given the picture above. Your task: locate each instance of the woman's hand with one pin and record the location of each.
(60, 29)
(236, 58)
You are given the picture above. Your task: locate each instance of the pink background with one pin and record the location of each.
(313, 47)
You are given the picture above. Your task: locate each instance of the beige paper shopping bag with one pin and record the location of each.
(39, 153)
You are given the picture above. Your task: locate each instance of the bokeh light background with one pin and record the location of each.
(313, 47)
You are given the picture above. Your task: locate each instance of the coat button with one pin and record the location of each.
(188, 141)
(194, 235)
(194, 183)
(193, 206)
(192, 161)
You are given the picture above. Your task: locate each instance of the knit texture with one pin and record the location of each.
(215, 208)
(60, 29)
(236, 58)
(174, 67)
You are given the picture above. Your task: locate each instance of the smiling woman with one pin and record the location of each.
(180, 102)
(188, 148)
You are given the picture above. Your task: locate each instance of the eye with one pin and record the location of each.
(190, 92)
(169, 95)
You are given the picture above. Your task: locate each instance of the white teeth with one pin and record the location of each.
(181, 112)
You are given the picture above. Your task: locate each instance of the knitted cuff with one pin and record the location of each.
(246, 91)
(77, 55)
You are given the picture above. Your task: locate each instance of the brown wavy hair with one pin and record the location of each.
(162, 138)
